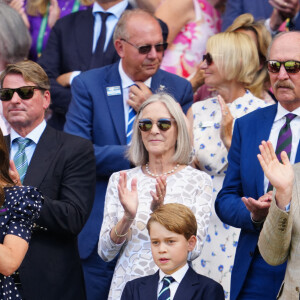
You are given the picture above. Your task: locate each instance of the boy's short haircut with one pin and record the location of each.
(175, 217)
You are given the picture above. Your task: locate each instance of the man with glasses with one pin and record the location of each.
(245, 198)
(103, 107)
(62, 167)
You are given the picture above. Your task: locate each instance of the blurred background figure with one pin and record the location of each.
(260, 87)
(15, 43)
(230, 66)
(42, 16)
(160, 149)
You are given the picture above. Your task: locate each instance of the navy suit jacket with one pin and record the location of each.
(192, 287)
(100, 118)
(69, 49)
(63, 169)
(245, 177)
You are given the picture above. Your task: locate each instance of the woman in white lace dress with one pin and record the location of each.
(230, 64)
(161, 149)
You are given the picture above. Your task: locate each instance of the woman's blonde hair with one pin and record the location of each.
(246, 22)
(235, 56)
(137, 152)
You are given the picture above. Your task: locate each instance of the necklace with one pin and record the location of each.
(157, 175)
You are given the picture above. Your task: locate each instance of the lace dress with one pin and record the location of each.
(188, 186)
(218, 253)
(185, 53)
(21, 207)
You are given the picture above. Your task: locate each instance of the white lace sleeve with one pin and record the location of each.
(201, 207)
(107, 249)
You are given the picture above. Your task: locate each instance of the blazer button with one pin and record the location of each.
(251, 253)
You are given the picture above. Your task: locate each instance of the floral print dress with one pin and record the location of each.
(218, 253)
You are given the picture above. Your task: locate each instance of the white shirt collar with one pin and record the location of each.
(34, 135)
(127, 81)
(116, 10)
(281, 112)
(178, 275)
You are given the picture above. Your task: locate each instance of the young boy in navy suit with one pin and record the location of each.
(172, 229)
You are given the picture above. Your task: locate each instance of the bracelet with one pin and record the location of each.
(119, 235)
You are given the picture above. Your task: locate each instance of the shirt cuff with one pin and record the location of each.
(267, 24)
(74, 74)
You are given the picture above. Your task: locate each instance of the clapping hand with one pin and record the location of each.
(128, 198)
(159, 195)
(280, 175)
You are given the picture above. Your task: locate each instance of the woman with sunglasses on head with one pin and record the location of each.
(160, 149)
(230, 65)
(19, 207)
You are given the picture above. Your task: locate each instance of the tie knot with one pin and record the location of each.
(168, 280)
(289, 117)
(104, 16)
(22, 142)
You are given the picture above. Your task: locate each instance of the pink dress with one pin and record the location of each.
(184, 55)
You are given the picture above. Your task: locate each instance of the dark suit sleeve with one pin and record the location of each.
(127, 293)
(234, 8)
(213, 291)
(229, 205)
(51, 61)
(69, 192)
(187, 100)
(109, 158)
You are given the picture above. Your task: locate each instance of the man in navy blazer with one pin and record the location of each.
(244, 188)
(69, 49)
(192, 286)
(98, 112)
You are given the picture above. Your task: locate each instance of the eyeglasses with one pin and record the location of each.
(24, 92)
(147, 48)
(291, 66)
(163, 124)
(208, 58)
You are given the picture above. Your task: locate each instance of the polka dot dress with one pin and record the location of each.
(21, 208)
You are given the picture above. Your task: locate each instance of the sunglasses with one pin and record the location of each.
(24, 92)
(162, 124)
(291, 66)
(147, 48)
(208, 58)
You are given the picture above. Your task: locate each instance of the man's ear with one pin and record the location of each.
(47, 99)
(192, 241)
(119, 46)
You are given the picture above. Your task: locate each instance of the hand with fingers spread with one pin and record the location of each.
(138, 94)
(13, 173)
(280, 175)
(159, 195)
(258, 208)
(226, 123)
(128, 198)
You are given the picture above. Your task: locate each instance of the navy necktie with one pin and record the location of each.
(97, 58)
(164, 293)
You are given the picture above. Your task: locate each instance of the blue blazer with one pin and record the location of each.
(193, 286)
(100, 118)
(245, 177)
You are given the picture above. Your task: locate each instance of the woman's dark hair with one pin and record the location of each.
(4, 167)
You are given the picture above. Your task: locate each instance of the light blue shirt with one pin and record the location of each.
(34, 135)
(111, 21)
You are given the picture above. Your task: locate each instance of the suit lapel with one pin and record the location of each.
(115, 102)
(157, 82)
(186, 285)
(262, 131)
(42, 158)
(83, 30)
(148, 288)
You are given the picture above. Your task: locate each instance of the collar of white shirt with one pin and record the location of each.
(281, 112)
(178, 275)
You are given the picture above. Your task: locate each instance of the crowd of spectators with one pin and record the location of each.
(114, 112)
